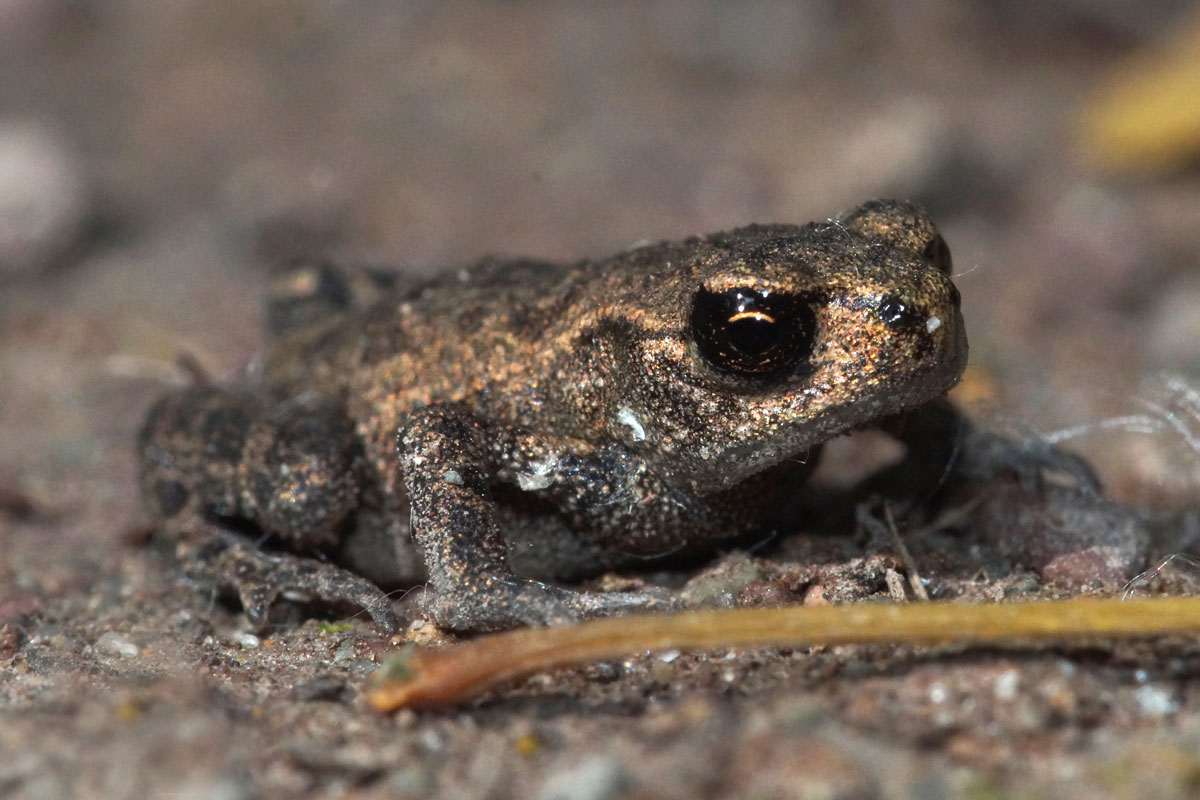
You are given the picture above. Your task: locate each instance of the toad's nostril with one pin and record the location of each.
(898, 314)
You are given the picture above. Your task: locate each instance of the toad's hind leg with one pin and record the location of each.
(213, 552)
(214, 462)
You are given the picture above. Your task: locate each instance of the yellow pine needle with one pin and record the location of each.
(431, 678)
(1145, 115)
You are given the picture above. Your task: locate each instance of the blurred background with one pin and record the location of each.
(156, 159)
(159, 157)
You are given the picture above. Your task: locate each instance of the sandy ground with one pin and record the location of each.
(157, 158)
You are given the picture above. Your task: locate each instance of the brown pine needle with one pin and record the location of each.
(431, 678)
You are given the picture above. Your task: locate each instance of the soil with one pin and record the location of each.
(156, 160)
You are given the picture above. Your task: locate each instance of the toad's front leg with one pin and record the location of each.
(449, 461)
(943, 444)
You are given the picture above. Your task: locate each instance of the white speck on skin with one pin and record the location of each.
(933, 323)
(938, 693)
(626, 417)
(539, 476)
(668, 656)
(452, 476)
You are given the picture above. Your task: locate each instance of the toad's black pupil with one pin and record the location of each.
(751, 332)
(753, 335)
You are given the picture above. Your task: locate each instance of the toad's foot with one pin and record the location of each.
(260, 577)
(510, 602)
(986, 454)
(943, 444)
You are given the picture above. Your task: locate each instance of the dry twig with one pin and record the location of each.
(430, 678)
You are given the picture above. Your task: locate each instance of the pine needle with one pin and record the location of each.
(417, 678)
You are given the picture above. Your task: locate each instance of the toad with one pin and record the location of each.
(509, 427)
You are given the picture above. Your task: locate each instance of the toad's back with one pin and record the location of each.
(435, 340)
(509, 338)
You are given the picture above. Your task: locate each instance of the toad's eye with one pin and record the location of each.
(752, 332)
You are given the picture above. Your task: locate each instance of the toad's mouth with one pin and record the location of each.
(753, 450)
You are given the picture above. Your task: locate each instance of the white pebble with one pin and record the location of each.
(247, 641)
(594, 778)
(1154, 701)
(114, 644)
(1006, 685)
(43, 196)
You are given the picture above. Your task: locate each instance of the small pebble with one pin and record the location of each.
(605, 671)
(595, 778)
(412, 780)
(323, 687)
(345, 652)
(1154, 701)
(247, 641)
(43, 197)
(220, 788)
(1006, 685)
(114, 644)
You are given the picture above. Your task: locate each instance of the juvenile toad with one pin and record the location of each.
(521, 423)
